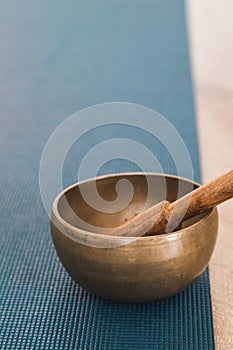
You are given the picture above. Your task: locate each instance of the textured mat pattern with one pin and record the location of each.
(57, 58)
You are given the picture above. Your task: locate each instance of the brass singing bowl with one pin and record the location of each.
(125, 269)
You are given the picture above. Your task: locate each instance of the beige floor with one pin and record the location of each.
(211, 33)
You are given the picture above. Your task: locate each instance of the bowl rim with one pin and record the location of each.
(123, 239)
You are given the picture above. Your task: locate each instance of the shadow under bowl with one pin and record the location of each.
(129, 269)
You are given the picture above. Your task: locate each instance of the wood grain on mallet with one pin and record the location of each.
(165, 217)
(145, 222)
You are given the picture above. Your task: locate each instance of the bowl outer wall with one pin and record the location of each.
(146, 269)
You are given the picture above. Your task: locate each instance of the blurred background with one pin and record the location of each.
(211, 36)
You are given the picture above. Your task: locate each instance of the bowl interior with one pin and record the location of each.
(148, 189)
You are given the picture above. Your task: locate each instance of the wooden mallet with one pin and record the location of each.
(165, 217)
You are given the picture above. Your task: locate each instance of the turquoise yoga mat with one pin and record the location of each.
(56, 58)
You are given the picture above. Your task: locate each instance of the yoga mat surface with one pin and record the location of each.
(57, 58)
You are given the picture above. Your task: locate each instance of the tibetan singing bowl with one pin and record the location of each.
(129, 269)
